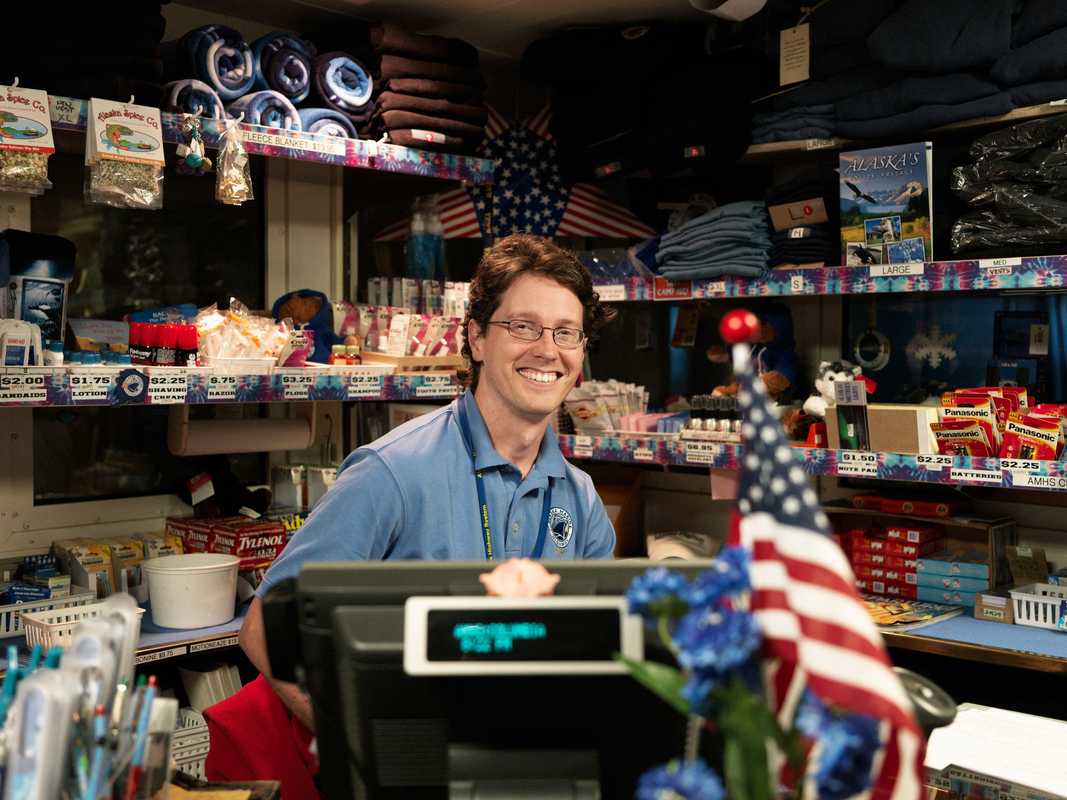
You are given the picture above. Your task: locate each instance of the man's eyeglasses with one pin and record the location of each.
(527, 331)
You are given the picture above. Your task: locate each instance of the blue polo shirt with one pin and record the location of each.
(411, 495)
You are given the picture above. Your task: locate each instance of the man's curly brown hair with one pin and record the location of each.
(519, 254)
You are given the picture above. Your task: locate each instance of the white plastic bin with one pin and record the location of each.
(194, 590)
(1038, 604)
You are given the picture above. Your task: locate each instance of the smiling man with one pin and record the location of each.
(482, 478)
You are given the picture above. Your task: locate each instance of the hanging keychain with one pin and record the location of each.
(192, 157)
(233, 182)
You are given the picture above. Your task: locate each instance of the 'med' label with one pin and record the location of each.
(1003, 265)
(1058, 482)
(977, 475)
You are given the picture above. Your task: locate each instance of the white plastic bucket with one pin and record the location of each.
(195, 590)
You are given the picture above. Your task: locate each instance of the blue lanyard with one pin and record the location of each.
(483, 502)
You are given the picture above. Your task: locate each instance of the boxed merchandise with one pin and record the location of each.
(964, 563)
(157, 545)
(870, 572)
(1032, 436)
(256, 542)
(930, 580)
(127, 553)
(893, 428)
(889, 588)
(882, 560)
(57, 585)
(993, 607)
(912, 533)
(194, 533)
(948, 596)
(891, 547)
(88, 563)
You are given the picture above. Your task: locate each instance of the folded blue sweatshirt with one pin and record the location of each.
(911, 93)
(925, 117)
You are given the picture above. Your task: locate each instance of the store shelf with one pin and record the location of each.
(772, 150)
(945, 470)
(102, 386)
(70, 114)
(989, 642)
(967, 275)
(160, 644)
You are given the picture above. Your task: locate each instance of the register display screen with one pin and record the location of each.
(515, 634)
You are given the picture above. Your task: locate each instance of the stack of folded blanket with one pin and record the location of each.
(804, 244)
(430, 93)
(82, 51)
(731, 240)
(916, 65)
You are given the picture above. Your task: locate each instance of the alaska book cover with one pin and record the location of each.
(886, 205)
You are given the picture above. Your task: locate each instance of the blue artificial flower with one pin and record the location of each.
(658, 591)
(680, 780)
(727, 576)
(718, 639)
(848, 745)
(697, 691)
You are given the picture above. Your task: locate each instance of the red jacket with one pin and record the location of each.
(254, 736)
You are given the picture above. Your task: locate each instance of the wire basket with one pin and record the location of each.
(56, 626)
(11, 615)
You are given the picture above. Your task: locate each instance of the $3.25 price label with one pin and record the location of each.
(296, 386)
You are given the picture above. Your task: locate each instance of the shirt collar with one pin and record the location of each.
(549, 458)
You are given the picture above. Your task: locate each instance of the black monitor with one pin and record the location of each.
(384, 733)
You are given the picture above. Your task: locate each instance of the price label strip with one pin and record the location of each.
(296, 385)
(222, 387)
(934, 463)
(91, 386)
(990, 476)
(611, 293)
(857, 464)
(644, 454)
(362, 386)
(23, 388)
(168, 388)
(436, 386)
(582, 451)
(1030, 474)
(701, 452)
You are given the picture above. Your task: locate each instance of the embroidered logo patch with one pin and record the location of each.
(560, 526)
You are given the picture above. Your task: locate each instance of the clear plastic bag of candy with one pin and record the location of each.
(233, 176)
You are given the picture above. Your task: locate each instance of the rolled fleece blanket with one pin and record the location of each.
(221, 58)
(267, 108)
(389, 38)
(343, 83)
(397, 67)
(431, 140)
(393, 101)
(284, 63)
(192, 96)
(327, 122)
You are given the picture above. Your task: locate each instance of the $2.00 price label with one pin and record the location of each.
(23, 388)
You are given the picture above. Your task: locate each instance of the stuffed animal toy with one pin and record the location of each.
(829, 371)
(774, 354)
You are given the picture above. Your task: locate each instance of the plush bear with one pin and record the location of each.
(773, 354)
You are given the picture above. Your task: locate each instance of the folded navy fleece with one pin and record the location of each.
(805, 112)
(925, 117)
(911, 93)
(1036, 18)
(765, 137)
(1035, 94)
(832, 89)
(946, 36)
(1045, 58)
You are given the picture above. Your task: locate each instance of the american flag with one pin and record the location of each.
(817, 633)
(527, 195)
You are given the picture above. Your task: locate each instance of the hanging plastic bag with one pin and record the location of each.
(25, 140)
(124, 155)
(124, 184)
(233, 182)
(25, 173)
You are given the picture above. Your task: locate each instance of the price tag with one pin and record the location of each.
(160, 655)
(977, 476)
(436, 386)
(91, 385)
(583, 441)
(611, 293)
(820, 144)
(1026, 480)
(857, 463)
(22, 387)
(934, 463)
(168, 388)
(583, 452)
(715, 288)
(701, 452)
(362, 386)
(1019, 465)
(850, 393)
(796, 284)
(643, 454)
(296, 385)
(895, 270)
(213, 644)
(222, 387)
(1000, 263)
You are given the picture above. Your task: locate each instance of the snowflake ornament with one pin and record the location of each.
(932, 346)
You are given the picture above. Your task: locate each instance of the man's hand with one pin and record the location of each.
(253, 641)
